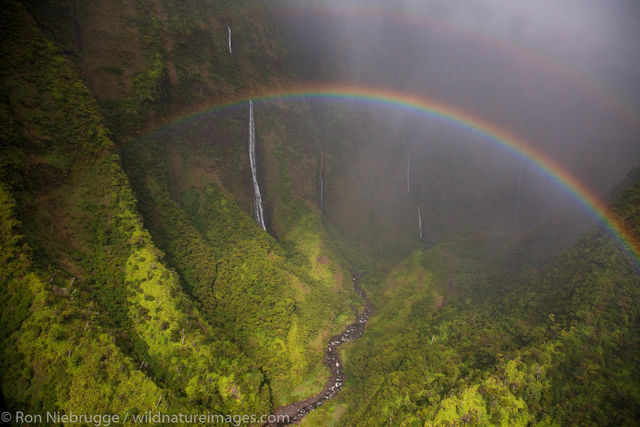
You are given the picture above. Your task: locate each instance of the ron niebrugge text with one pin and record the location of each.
(99, 420)
(58, 417)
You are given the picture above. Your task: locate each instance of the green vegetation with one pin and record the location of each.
(556, 347)
(133, 278)
(272, 299)
(98, 321)
(228, 330)
(146, 60)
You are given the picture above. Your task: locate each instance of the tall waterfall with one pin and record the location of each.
(521, 171)
(322, 184)
(419, 222)
(515, 220)
(257, 198)
(229, 31)
(408, 172)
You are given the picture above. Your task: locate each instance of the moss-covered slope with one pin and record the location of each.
(465, 335)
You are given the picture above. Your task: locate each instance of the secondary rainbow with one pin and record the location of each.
(374, 14)
(458, 118)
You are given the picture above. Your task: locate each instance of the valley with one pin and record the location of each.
(191, 192)
(295, 412)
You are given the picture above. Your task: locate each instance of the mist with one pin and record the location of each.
(561, 75)
(329, 212)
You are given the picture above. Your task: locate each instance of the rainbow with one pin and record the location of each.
(461, 119)
(533, 59)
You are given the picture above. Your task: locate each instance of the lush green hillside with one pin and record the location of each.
(463, 335)
(225, 318)
(133, 277)
(279, 300)
(98, 315)
(146, 60)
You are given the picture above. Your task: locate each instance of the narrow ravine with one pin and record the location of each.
(296, 411)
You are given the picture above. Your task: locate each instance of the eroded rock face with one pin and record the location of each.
(296, 411)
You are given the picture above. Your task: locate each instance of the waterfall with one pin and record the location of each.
(515, 221)
(322, 184)
(521, 171)
(229, 31)
(408, 173)
(257, 198)
(419, 222)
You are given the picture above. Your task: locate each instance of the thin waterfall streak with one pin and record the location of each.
(515, 221)
(229, 31)
(408, 173)
(257, 197)
(521, 170)
(322, 184)
(419, 222)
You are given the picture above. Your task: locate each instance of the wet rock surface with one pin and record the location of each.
(296, 411)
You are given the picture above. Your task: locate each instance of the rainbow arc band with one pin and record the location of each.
(458, 118)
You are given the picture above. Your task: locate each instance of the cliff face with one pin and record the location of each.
(171, 286)
(151, 63)
(135, 278)
(151, 60)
